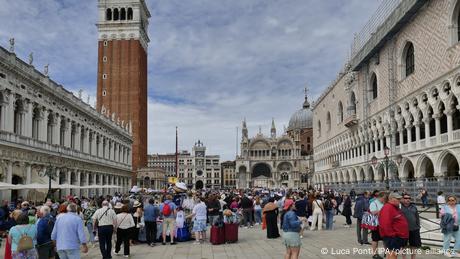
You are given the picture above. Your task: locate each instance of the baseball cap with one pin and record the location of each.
(394, 195)
(287, 204)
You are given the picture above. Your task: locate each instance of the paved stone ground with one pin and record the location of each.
(253, 244)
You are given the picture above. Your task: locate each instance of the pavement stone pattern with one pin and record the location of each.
(253, 244)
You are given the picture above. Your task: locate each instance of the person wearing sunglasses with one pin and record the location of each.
(411, 213)
(449, 226)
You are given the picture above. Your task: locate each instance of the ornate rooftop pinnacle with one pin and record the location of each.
(306, 103)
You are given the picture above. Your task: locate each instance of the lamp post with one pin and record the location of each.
(388, 163)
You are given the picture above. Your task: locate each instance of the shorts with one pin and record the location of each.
(292, 239)
(414, 238)
(394, 243)
(199, 225)
(375, 234)
(169, 222)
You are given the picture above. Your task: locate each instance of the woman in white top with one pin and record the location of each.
(318, 209)
(124, 223)
(199, 214)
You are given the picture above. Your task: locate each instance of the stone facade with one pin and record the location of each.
(151, 178)
(273, 161)
(229, 177)
(122, 68)
(45, 128)
(399, 91)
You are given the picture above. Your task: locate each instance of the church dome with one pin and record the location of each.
(302, 119)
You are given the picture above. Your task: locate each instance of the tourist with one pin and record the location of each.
(258, 210)
(441, 200)
(291, 230)
(411, 213)
(69, 235)
(450, 215)
(199, 214)
(88, 220)
(213, 206)
(104, 219)
(45, 224)
(318, 211)
(23, 228)
(393, 226)
(247, 206)
(270, 212)
(168, 213)
(424, 197)
(346, 211)
(329, 206)
(151, 213)
(124, 223)
(361, 205)
(137, 217)
(301, 211)
(375, 205)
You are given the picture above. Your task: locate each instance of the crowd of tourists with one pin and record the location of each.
(69, 227)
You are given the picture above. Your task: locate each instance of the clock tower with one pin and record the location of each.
(122, 69)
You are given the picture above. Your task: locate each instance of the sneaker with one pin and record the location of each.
(116, 253)
(197, 243)
(152, 244)
(448, 254)
(173, 243)
(164, 243)
(246, 227)
(127, 256)
(301, 236)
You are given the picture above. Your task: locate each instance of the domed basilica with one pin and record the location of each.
(273, 161)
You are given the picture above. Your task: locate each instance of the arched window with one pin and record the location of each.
(409, 62)
(130, 13)
(35, 123)
(115, 14)
(374, 86)
(82, 139)
(62, 132)
(108, 14)
(49, 128)
(73, 131)
(17, 116)
(123, 14)
(328, 121)
(352, 104)
(340, 113)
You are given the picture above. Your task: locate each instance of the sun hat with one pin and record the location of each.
(136, 204)
(118, 205)
(394, 195)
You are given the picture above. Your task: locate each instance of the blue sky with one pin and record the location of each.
(211, 62)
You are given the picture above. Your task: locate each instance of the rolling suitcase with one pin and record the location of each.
(217, 235)
(231, 232)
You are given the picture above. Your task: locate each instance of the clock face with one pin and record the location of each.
(200, 154)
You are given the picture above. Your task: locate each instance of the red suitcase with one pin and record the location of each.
(217, 235)
(231, 233)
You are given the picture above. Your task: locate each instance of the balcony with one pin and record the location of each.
(351, 121)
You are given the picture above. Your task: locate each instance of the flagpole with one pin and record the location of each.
(177, 160)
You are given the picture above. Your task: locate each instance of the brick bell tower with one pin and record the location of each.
(122, 69)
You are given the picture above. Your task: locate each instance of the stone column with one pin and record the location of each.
(26, 118)
(43, 126)
(78, 191)
(77, 137)
(426, 121)
(8, 165)
(57, 130)
(87, 183)
(28, 169)
(417, 134)
(93, 145)
(401, 137)
(450, 125)
(67, 131)
(409, 136)
(437, 118)
(9, 113)
(86, 144)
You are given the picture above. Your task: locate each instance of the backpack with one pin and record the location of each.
(25, 242)
(327, 204)
(166, 209)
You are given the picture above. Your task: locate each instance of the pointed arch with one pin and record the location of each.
(340, 112)
(408, 59)
(424, 167)
(373, 86)
(447, 164)
(408, 171)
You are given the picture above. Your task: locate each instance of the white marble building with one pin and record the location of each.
(399, 90)
(42, 125)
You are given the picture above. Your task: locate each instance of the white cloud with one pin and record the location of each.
(211, 62)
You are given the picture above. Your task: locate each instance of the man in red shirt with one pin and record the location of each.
(393, 226)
